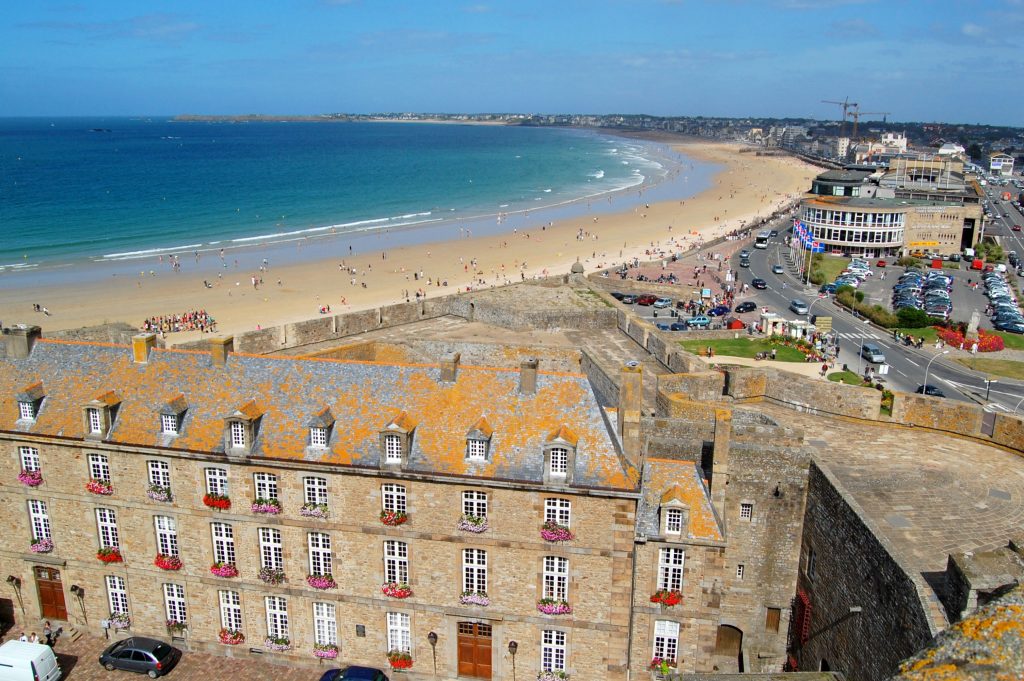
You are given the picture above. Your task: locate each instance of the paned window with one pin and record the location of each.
(217, 481)
(230, 610)
(106, 523)
(319, 553)
(393, 448)
(474, 570)
(271, 549)
(174, 603)
(27, 411)
(316, 490)
(476, 450)
(393, 498)
(746, 511)
(399, 632)
(223, 543)
(99, 467)
(673, 521)
(559, 461)
(169, 424)
(740, 569)
(237, 434)
(117, 594)
(396, 561)
(266, 485)
(277, 617)
(552, 651)
(474, 503)
(95, 424)
(160, 474)
(557, 511)
(556, 578)
(29, 458)
(325, 624)
(670, 569)
(39, 519)
(666, 639)
(318, 437)
(166, 535)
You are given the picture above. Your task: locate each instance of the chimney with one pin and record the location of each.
(450, 367)
(141, 345)
(20, 339)
(220, 348)
(631, 400)
(528, 377)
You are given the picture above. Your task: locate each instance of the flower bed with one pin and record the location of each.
(399, 659)
(667, 597)
(550, 606)
(473, 523)
(393, 517)
(159, 493)
(325, 651)
(30, 478)
(110, 554)
(120, 620)
(474, 598)
(954, 337)
(396, 590)
(97, 486)
(230, 637)
(167, 562)
(552, 531)
(270, 575)
(177, 626)
(321, 581)
(552, 676)
(223, 570)
(277, 644)
(41, 546)
(267, 506)
(313, 511)
(221, 502)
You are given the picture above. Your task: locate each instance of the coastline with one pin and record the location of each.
(745, 188)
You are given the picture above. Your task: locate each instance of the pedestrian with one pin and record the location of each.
(48, 633)
(23, 638)
(33, 638)
(773, 353)
(824, 369)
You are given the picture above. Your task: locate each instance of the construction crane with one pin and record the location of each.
(847, 105)
(856, 114)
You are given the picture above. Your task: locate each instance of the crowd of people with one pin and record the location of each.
(193, 320)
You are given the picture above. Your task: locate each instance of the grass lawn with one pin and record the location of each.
(743, 347)
(1013, 341)
(927, 332)
(831, 266)
(847, 377)
(995, 367)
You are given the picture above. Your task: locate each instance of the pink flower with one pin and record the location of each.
(30, 478)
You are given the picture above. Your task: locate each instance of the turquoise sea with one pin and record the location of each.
(83, 192)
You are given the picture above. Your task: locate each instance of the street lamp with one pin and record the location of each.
(928, 366)
(432, 640)
(988, 386)
(512, 648)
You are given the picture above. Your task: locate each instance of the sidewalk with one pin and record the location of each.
(805, 369)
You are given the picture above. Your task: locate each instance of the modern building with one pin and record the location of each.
(1001, 164)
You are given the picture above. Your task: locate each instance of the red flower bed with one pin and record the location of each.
(667, 598)
(165, 562)
(987, 341)
(218, 501)
(109, 555)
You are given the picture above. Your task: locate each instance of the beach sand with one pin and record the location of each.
(747, 188)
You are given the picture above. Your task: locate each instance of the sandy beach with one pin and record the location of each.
(747, 188)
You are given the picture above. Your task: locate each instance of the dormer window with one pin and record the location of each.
(396, 440)
(318, 437)
(560, 456)
(168, 424)
(26, 411)
(675, 514)
(172, 414)
(98, 415)
(240, 429)
(478, 441)
(95, 420)
(392, 448)
(238, 439)
(558, 462)
(29, 400)
(476, 450)
(673, 521)
(320, 426)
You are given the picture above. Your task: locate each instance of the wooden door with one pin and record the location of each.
(729, 650)
(475, 650)
(51, 593)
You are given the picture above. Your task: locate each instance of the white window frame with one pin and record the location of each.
(277, 616)
(238, 438)
(392, 448)
(230, 610)
(106, 526)
(746, 511)
(29, 458)
(474, 570)
(556, 578)
(99, 467)
(318, 437)
(26, 411)
(315, 490)
(474, 503)
(39, 520)
(166, 535)
(265, 485)
(325, 624)
(175, 605)
(666, 640)
(557, 510)
(670, 568)
(553, 650)
(320, 560)
(95, 421)
(558, 462)
(673, 521)
(399, 631)
(393, 497)
(223, 543)
(117, 594)
(476, 449)
(159, 473)
(216, 481)
(169, 424)
(740, 569)
(271, 548)
(396, 561)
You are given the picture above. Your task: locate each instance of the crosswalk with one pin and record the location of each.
(857, 336)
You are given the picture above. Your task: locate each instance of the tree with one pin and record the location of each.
(974, 151)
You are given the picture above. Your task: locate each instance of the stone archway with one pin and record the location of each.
(728, 658)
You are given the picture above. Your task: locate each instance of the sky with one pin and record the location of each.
(920, 60)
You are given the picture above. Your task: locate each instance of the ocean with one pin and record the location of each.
(81, 191)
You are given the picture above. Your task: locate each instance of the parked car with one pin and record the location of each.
(628, 299)
(699, 322)
(746, 306)
(759, 284)
(24, 661)
(140, 654)
(677, 326)
(827, 288)
(617, 295)
(881, 263)
(719, 311)
(354, 674)
(663, 303)
(777, 269)
(933, 391)
(1013, 326)
(646, 299)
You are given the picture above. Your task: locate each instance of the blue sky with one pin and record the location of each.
(927, 60)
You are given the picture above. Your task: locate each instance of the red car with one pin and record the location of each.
(1016, 228)
(881, 263)
(646, 300)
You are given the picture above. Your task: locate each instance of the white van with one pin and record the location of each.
(20, 661)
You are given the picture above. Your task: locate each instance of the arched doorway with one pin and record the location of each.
(729, 650)
(51, 593)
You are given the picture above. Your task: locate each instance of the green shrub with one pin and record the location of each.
(845, 288)
(859, 295)
(909, 318)
(817, 277)
(908, 261)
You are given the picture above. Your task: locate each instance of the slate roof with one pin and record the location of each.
(672, 479)
(286, 395)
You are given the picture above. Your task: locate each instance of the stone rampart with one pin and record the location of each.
(605, 385)
(938, 414)
(706, 386)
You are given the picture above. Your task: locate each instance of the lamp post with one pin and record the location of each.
(512, 648)
(988, 386)
(432, 640)
(928, 366)
(16, 583)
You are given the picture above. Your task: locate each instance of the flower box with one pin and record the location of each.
(278, 645)
(662, 666)
(97, 486)
(230, 637)
(399, 659)
(667, 597)
(552, 676)
(223, 570)
(474, 598)
(177, 626)
(167, 562)
(41, 546)
(473, 523)
(267, 506)
(120, 620)
(110, 554)
(313, 511)
(550, 606)
(396, 590)
(325, 651)
(30, 478)
(270, 575)
(159, 493)
(393, 518)
(552, 531)
(321, 581)
(221, 502)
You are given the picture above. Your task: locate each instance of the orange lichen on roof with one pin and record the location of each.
(33, 389)
(673, 493)
(672, 479)
(250, 410)
(482, 427)
(402, 422)
(565, 434)
(177, 403)
(108, 398)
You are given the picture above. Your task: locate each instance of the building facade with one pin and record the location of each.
(1001, 164)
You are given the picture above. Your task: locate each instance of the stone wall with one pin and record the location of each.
(802, 394)
(706, 386)
(118, 333)
(605, 384)
(937, 413)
